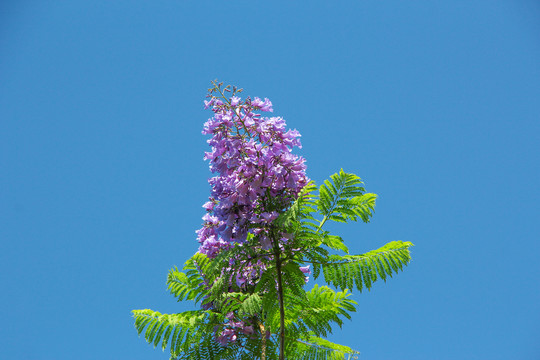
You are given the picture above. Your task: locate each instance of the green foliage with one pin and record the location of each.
(342, 198)
(189, 285)
(317, 348)
(182, 331)
(320, 307)
(308, 315)
(349, 271)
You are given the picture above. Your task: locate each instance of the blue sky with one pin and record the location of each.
(436, 105)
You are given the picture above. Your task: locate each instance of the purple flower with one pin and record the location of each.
(235, 100)
(240, 280)
(209, 205)
(227, 336)
(306, 270)
(266, 243)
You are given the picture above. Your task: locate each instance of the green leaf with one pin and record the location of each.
(335, 242)
(346, 272)
(342, 198)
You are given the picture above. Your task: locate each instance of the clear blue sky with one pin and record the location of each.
(436, 105)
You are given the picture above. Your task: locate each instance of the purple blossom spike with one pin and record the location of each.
(256, 177)
(252, 158)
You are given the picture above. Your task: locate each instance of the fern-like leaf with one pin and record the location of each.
(342, 198)
(349, 271)
(316, 348)
(320, 307)
(190, 284)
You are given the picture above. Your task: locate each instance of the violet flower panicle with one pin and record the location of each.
(256, 177)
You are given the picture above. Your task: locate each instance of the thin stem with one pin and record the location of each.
(281, 305)
(263, 340)
(322, 223)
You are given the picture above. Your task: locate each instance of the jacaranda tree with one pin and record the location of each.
(263, 234)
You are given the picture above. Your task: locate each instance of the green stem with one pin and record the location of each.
(279, 261)
(322, 223)
(263, 339)
(281, 306)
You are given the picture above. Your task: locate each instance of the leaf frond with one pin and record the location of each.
(359, 271)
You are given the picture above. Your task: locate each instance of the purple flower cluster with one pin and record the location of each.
(306, 270)
(232, 328)
(257, 174)
(257, 178)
